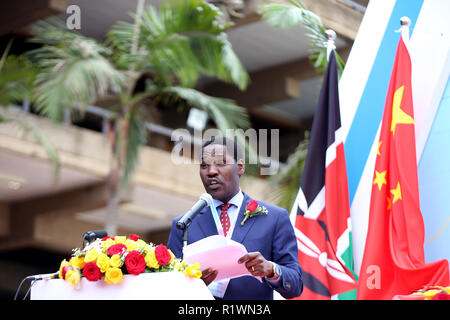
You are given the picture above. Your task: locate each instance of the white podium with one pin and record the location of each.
(146, 286)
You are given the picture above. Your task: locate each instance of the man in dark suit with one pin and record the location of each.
(269, 238)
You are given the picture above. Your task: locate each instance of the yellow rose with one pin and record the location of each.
(150, 259)
(131, 244)
(172, 256)
(77, 262)
(147, 249)
(72, 277)
(141, 243)
(193, 271)
(107, 243)
(430, 294)
(103, 262)
(116, 261)
(91, 255)
(120, 239)
(64, 263)
(113, 275)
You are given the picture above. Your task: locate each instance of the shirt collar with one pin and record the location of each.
(236, 200)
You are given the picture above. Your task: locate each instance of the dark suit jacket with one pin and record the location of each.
(272, 235)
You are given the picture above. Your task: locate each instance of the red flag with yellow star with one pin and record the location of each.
(394, 259)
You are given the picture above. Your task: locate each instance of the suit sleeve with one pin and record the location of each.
(285, 254)
(175, 242)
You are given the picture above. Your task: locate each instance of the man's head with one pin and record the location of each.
(221, 165)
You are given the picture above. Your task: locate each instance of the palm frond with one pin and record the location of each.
(16, 80)
(287, 16)
(224, 112)
(73, 70)
(40, 138)
(178, 44)
(286, 183)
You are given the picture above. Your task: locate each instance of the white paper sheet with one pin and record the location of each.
(218, 253)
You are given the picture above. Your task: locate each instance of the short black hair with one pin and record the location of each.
(230, 145)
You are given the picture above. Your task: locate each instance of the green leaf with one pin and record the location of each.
(287, 16)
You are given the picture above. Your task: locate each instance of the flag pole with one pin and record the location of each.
(331, 35)
(405, 23)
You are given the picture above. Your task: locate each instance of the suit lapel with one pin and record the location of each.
(206, 222)
(240, 231)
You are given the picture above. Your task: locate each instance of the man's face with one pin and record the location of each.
(220, 173)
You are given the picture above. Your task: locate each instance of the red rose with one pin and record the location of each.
(134, 237)
(162, 255)
(441, 296)
(91, 271)
(118, 248)
(135, 262)
(252, 205)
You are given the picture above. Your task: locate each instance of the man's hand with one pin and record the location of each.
(208, 275)
(257, 265)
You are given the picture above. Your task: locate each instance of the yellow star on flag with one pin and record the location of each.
(398, 115)
(397, 192)
(380, 178)
(378, 150)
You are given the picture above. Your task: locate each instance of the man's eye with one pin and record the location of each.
(204, 166)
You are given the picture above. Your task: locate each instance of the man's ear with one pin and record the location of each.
(241, 167)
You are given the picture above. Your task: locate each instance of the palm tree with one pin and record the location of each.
(170, 48)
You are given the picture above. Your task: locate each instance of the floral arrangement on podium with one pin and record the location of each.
(427, 293)
(434, 293)
(112, 257)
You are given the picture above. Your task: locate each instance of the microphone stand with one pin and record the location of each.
(20, 286)
(184, 228)
(185, 237)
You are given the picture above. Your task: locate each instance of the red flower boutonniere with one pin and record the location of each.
(253, 209)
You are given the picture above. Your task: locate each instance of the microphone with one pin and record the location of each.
(90, 236)
(186, 220)
(44, 276)
(34, 278)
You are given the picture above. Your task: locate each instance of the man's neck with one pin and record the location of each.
(228, 199)
(235, 193)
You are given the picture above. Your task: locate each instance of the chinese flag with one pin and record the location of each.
(394, 261)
